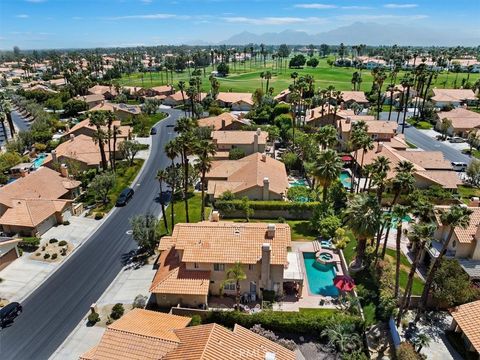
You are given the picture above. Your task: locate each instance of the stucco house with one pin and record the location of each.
(224, 121)
(350, 97)
(84, 128)
(453, 97)
(121, 111)
(109, 92)
(379, 130)
(37, 201)
(8, 251)
(257, 176)
(91, 100)
(465, 321)
(249, 141)
(235, 100)
(194, 259)
(463, 121)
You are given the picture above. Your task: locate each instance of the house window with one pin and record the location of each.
(195, 265)
(251, 267)
(219, 267)
(229, 287)
(454, 243)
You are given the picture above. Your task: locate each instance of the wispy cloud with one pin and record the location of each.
(315, 6)
(380, 17)
(356, 7)
(400, 6)
(149, 17)
(22, 16)
(273, 20)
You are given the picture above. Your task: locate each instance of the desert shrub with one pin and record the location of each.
(140, 301)
(54, 256)
(236, 153)
(52, 241)
(117, 311)
(93, 318)
(196, 320)
(406, 351)
(46, 256)
(98, 215)
(63, 252)
(62, 243)
(29, 244)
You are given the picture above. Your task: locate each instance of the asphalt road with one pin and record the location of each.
(52, 311)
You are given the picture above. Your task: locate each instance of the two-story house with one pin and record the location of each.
(249, 141)
(195, 258)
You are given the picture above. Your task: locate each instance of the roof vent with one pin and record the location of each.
(270, 356)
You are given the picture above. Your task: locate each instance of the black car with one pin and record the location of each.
(153, 131)
(124, 197)
(9, 312)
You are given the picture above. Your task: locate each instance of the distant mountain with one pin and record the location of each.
(362, 33)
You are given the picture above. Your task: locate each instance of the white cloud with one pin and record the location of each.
(273, 20)
(315, 6)
(356, 7)
(22, 16)
(381, 17)
(149, 17)
(400, 6)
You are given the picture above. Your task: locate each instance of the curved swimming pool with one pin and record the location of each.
(320, 277)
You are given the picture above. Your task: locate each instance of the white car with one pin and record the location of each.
(459, 166)
(456, 139)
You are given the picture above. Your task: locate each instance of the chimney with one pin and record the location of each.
(259, 131)
(347, 121)
(215, 216)
(270, 228)
(266, 188)
(265, 274)
(223, 124)
(379, 147)
(64, 170)
(72, 136)
(54, 155)
(103, 102)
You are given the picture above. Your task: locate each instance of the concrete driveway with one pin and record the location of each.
(79, 229)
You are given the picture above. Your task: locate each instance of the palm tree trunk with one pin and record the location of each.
(397, 264)
(185, 193)
(114, 166)
(405, 109)
(361, 246)
(172, 201)
(10, 124)
(325, 193)
(431, 274)
(203, 196)
(391, 105)
(387, 234)
(163, 207)
(103, 156)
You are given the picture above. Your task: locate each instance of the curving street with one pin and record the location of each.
(53, 310)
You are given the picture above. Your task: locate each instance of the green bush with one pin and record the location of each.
(117, 311)
(98, 215)
(53, 241)
(196, 320)
(66, 222)
(268, 295)
(311, 323)
(46, 256)
(29, 244)
(93, 318)
(54, 256)
(62, 243)
(236, 154)
(267, 205)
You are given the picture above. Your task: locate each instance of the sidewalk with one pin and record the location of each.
(124, 289)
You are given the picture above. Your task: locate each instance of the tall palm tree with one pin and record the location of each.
(366, 144)
(456, 217)
(234, 275)
(205, 151)
(115, 132)
(172, 151)
(363, 218)
(161, 176)
(327, 136)
(359, 130)
(181, 87)
(391, 89)
(294, 76)
(328, 167)
(7, 110)
(381, 167)
(407, 83)
(97, 119)
(267, 76)
(419, 236)
(399, 213)
(109, 119)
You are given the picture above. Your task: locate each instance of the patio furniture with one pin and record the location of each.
(344, 283)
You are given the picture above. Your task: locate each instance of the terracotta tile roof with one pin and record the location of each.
(446, 178)
(125, 130)
(215, 122)
(130, 109)
(464, 236)
(461, 118)
(245, 173)
(213, 342)
(162, 88)
(238, 137)
(398, 142)
(227, 242)
(467, 317)
(139, 334)
(357, 96)
(91, 98)
(177, 96)
(234, 97)
(429, 160)
(173, 278)
(102, 89)
(31, 212)
(373, 126)
(283, 94)
(453, 95)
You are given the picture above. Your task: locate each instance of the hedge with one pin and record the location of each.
(303, 323)
(29, 244)
(226, 205)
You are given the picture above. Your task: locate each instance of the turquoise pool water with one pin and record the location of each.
(320, 277)
(326, 244)
(406, 218)
(346, 179)
(39, 160)
(299, 182)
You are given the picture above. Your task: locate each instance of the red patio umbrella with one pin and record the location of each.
(344, 283)
(347, 158)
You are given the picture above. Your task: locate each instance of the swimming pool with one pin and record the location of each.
(320, 277)
(39, 160)
(406, 218)
(346, 179)
(327, 244)
(298, 182)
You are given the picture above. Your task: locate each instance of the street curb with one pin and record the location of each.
(91, 232)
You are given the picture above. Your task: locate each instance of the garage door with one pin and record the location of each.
(46, 225)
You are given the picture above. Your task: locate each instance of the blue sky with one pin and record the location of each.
(93, 23)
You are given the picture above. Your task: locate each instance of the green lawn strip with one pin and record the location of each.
(315, 311)
(300, 229)
(467, 192)
(247, 78)
(194, 208)
(123, 178)
(411, 145)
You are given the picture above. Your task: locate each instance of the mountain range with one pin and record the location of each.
(360, 33)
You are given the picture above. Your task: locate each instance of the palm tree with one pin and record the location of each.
(381, 167)
(407, 83)
(419, 236)
(456, 217)
(110, 117)
(161, 176)
(116, 131)
(181, 87)
(233, 276)
(445, 125)
(399, 213)
(343, 337)
(328, 167)
(267, 76)
(359, 130)
(97, 119)
(327, 136)
(7, 110)
(379, 77)
(391, 89)
(172, 150)
(420, 341)
(363, 218)
(205, 151)
(366, 144)
(294, 76)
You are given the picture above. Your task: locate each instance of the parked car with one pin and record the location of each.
(124, 197)
(9, 312)
(153, 131)
(456, 139)
(459, 166)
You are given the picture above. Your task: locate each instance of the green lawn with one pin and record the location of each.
(301, 230)
(422, 125)
(247, 78)
(313, 311)
(411, 145)
(194, 202)
(466, 192)
(124, 176)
